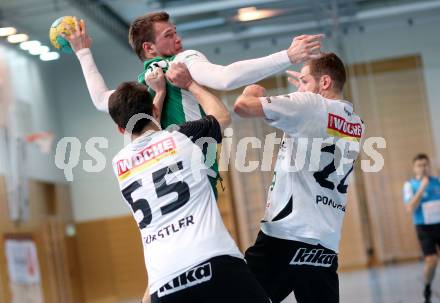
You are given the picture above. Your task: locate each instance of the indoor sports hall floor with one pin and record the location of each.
(391, 284)
(401, 283)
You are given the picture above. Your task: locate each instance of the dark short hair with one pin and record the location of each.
(129, 99)
(421, 156)
(329, 64)
(142, 30)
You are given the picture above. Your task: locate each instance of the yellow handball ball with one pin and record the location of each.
(63, 25)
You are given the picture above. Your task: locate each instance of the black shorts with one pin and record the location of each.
(429, 238)
(282, 266)
(222, 279)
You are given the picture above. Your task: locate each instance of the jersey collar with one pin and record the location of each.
(142, 140)
(348, 106)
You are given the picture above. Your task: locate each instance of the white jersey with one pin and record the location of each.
(219, 77)
(172, 201)
(307, 198)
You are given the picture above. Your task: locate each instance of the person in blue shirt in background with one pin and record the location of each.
(422, 199)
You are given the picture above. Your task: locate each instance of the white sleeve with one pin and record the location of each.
(234, 75)
(298, 114)
(408, 193)
(98, 90)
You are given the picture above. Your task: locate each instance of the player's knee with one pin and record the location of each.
(431, 260)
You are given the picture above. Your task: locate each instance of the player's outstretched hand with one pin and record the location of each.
(156, 80)
(254, 90)
(293, 77)
(79, 39)
(178, 74)
(305, 47)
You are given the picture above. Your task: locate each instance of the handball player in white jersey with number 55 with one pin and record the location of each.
(189, 255)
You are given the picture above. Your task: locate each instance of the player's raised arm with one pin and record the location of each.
(246, 72)
(179, 76)
(156, 80)
(81, 42)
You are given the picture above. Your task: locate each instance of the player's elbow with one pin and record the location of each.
(230, 84)
(101, 100)
(222, 85)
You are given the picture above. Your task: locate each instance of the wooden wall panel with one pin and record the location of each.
(353, 250)
(111, 260)
(49, 241)
(74, 269)
(95, 261)
(390, 96)
(226, 205)
(127, 260)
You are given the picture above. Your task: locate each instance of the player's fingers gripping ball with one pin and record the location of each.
(62, 26)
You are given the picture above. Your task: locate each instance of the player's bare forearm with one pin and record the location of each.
(415, 201)
(211, 104)
(158, 102)
(156, 81)
(248, 106)
(248, 103)
(146, 298)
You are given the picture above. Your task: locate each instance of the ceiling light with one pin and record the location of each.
(200, 24)
(252, 13)
(49, 56)
(27, 45)
(39, 50)
(17, 38)
(44, 49)
(7, 31)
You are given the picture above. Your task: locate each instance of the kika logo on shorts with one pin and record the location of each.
(314, 257)
(190, 278)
